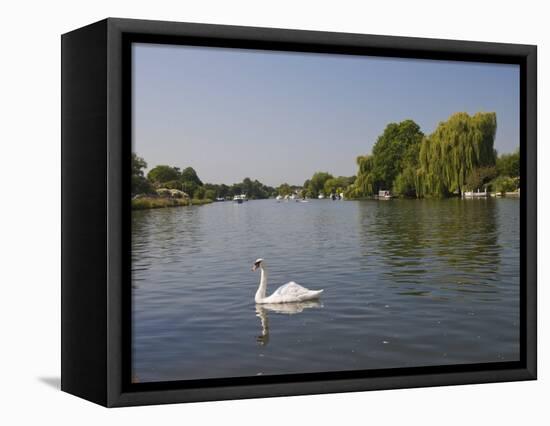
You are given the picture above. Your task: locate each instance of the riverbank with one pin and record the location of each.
(157, 202)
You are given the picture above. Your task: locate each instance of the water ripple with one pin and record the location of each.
(407, 283)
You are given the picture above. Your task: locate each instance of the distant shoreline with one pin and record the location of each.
(147, 203)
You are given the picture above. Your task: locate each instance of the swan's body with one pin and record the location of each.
(287, 293)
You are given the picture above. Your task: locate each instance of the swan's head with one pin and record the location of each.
(257, 264)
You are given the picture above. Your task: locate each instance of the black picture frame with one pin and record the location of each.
(96, 147)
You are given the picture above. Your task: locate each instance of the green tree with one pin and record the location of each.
(138, 165)
(393, 151)
(190, 188)
(453, 150)
(190, 175)
(508, 164)
(254, 189)
(236, 189)
(140, 185)
(404, 184)
(248, 187)
(393, 162)
(305, 189)
(317, 183)
(223, 190)
(337, 185)
(199, 192)
(363, 185)
(210, 194)
(172, 184)
(504, 184)
(162, 174)
(480, 177)
(191, 183)
(284, 189)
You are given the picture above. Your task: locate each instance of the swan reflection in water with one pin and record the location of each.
(279, 308)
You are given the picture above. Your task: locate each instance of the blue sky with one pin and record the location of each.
(279, 116)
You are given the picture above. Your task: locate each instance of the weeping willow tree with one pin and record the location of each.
(363, 184)
(457, 147)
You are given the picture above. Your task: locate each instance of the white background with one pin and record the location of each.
(30, 211)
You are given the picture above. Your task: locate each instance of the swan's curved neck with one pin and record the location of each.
(260, 293)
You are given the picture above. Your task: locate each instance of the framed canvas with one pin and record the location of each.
(390, 182)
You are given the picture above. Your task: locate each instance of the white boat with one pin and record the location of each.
(384, 195)
(240, 198)
(278, 197)
(321, 196)
(478, 194)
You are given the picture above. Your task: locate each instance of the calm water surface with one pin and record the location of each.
(407, 283)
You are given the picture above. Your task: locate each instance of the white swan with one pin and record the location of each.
(288, 293)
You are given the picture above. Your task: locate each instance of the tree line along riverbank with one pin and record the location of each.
(459, 156)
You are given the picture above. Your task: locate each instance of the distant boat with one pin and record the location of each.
(384, 195)
(472, 194)
(220, 199)
(240, 198)
(321, 196)
(278, 198)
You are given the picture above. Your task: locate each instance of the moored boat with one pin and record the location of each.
(384, 195)
(240, 198)
(472, 194)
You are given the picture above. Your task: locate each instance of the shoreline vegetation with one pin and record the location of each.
(457, 159)
(143, 203)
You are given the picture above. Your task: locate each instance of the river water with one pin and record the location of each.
(407, 283)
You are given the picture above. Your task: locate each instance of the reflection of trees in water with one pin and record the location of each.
(466, 233)
(392, 231)
(279, 308)
(413, 237)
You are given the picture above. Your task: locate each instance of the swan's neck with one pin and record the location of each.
(260, 293)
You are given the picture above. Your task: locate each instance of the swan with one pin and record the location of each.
(288, 293)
